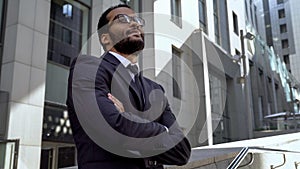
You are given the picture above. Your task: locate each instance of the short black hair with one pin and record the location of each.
(103, 19)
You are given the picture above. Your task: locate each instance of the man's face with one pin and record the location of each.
(127, 38)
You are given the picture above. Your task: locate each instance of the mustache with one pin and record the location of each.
(134, 30)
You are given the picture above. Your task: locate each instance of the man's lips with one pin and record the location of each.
(135, 33)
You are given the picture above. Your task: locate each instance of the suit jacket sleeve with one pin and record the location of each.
(126, 123)
(180, 153)
(97, 87)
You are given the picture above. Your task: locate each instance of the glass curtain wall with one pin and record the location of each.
(68, 34)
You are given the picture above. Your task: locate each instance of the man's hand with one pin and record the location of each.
(117, 103)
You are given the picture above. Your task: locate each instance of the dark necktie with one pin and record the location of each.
(133, 68)
(137, 82)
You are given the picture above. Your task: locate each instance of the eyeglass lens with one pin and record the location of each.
(127, 19)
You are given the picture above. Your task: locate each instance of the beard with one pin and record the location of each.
(129, 46)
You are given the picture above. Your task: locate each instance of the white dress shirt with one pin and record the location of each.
(125, 62)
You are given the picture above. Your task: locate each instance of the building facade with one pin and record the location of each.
(294, 57)
(211, 93)
(282, 31)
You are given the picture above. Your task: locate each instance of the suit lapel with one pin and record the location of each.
(121, 72)
(146, 92)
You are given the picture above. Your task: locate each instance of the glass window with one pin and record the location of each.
(237, 52)
(235, 23)
(67, 36)
(281, 13)
(66, 157)
(279, 1)
(202, 15)
(216, 22)
(176, 11)
(255, 16)
(46, 158)
(284, 43)
(218, 114)
(65, 60)
(283, 28)
(286, 59)
(251, 11)
(56, 124)
(67, 10)
(246, 8)
(176, 69)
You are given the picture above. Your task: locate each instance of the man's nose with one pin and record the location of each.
(134, 23)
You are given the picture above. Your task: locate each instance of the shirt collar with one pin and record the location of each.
(125, 62)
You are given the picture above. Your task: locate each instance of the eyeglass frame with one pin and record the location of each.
(129, 19)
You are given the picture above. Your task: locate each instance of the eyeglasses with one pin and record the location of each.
(123, 18)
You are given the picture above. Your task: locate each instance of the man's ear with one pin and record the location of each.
(105, 39)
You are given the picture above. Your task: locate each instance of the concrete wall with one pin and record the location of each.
(23, 74)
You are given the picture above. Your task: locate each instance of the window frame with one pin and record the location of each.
(176, 12)
(283, 28)
(202, 15)
(284, 43)
(235, 23)
(216, 21)
(176, 72)
(281, 13)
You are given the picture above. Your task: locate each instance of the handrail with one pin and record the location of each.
(15, 151)
(243, 153)
(273, 150)
(238, 159)
(250, 162)
(280, 165)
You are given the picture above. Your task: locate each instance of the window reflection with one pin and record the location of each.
(67, 10)
(68, 30)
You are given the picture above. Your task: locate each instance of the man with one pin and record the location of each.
(132, 126)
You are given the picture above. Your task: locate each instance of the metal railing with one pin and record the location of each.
(266, 158)
(239, 158)
(9, 150)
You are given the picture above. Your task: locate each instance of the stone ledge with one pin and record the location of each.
(204, 157)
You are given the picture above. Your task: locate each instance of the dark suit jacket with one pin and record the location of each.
(145, 117)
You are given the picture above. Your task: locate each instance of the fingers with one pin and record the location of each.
(117, 103)
(113, 99)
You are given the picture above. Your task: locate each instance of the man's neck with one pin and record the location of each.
(131, 57)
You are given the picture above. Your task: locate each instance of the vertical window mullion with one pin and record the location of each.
(216, 21)
(202, 15)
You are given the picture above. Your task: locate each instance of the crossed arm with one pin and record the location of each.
(117, 103)
(180, 151)
(132, 128)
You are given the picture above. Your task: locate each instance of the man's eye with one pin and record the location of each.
(123, 19)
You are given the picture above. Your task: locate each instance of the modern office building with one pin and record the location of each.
(295, 57)
(190, 49)
(282, 31)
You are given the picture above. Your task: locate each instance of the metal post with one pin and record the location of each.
(207, 94)
(246, 86)
(243, 53)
